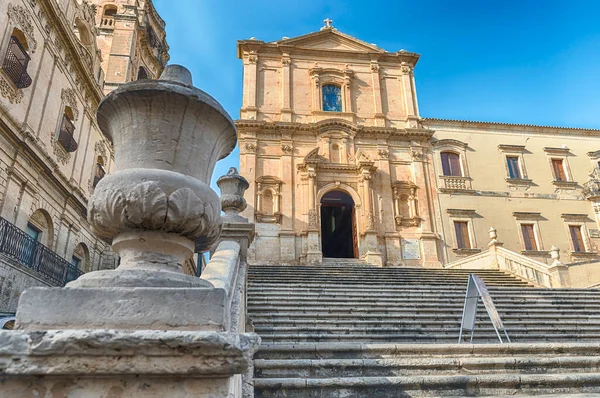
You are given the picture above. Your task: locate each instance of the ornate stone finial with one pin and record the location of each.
(157, 205)
(555, 255)
(328, 24)
(233, 186)
(494, 238)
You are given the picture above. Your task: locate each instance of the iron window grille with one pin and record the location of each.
(65, 136)
(15, 63)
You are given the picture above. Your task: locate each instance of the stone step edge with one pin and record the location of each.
(518, 363)
(593, 348)
(495, 381)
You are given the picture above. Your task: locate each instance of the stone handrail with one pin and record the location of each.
(528, 269)
(476, 261)
(222, 270)
(535, 272)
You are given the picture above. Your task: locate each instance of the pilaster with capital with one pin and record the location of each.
(249, 108)
(375, 80)
(286, 111)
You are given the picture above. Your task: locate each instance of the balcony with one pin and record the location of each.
(456, 184)
(591, 189)
(17, 245)
(15, 64)
(65, 136)
(107, 23)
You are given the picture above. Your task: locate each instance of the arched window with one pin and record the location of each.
(451, 164)
(332, 98)
(17, 59)
(110, 10)
(142, 74)
(67, 128)
(108, 16)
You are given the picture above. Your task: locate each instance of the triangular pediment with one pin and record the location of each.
(330, 39)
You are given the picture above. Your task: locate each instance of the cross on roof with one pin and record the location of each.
(328, 23)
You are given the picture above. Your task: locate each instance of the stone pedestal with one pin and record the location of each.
(372, 254)
(314, 255)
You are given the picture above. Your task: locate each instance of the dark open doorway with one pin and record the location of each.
(338, 225)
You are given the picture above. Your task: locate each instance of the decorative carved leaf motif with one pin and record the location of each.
(185, 212)
(107, 211)
(146, 206)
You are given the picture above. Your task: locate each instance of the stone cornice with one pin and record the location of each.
(339, 124)
(363, 51)
(510, 127)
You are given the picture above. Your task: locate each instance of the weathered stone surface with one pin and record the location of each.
(117, 352)
(124, 308)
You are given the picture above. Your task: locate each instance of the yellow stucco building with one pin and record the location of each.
(342, 164)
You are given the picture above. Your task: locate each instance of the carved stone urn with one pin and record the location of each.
(233, 186)
(157, 207)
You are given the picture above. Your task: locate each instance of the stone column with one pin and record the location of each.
(146, 328)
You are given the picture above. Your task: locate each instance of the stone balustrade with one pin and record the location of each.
(535, 272)
(456, 183)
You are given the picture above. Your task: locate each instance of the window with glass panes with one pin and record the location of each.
(451, 164)
(514, 169)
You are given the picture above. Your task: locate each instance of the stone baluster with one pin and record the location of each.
(146, 326)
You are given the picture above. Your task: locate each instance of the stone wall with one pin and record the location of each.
(14, 279)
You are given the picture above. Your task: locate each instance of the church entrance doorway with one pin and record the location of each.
(338, 226)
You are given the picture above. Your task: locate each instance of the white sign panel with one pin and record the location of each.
(411, 249)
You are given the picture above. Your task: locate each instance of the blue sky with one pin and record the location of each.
(526, 61)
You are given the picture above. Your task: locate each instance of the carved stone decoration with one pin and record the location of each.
(417, 154)
(250, 147)
(233, 186)
(19, 16)
(69, 98)
(383, 154)
(59, 151)
(9, 91)
(157, 207)
(268, 199)
(591, 189)
(287, 149)
(406, 209)
(100, 149)
(313, 220)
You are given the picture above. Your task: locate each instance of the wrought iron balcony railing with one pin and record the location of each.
(15, 63)
(65, 136)
(19, 246)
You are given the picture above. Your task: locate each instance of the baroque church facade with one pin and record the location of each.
(342, 164)
(57, 61)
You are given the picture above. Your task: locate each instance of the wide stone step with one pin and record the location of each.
(385, 367)
(428, 386)
(480, 337)
(448, 329)
(508, 323)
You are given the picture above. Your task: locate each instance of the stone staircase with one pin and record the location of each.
(352, 331)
